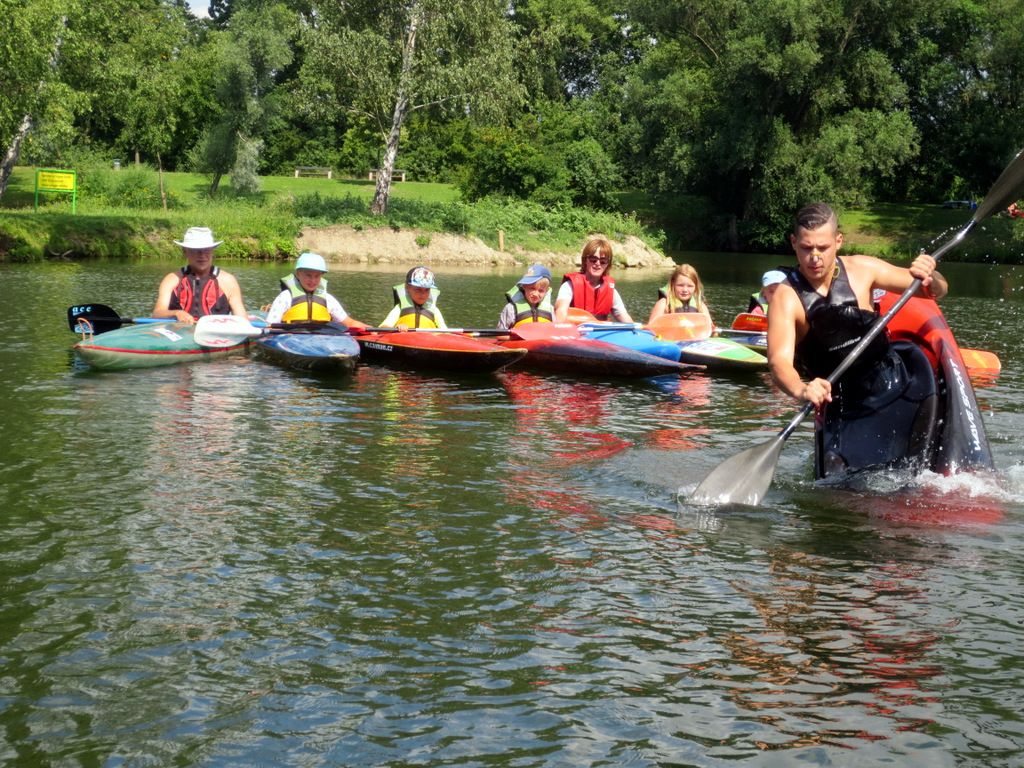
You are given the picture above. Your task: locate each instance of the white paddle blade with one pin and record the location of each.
(224, 330)
(741, 479)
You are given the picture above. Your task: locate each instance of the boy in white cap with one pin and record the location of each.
(415, 302)
(304, 296)
(770, 281)
(529, 300)
(199, 288)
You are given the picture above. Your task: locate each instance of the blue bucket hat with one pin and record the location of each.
(535, 274)
(771, 277)
(312, 261)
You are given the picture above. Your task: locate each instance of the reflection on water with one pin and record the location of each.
(235, 564)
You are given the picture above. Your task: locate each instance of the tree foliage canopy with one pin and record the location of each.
(753, 106)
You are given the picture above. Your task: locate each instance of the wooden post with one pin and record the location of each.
(501, 240)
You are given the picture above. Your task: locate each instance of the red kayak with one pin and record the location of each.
(434, 350)
(561, 348)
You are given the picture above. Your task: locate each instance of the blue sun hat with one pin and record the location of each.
(312, 261)
(771, 277)
(420, 277)
(535, 274)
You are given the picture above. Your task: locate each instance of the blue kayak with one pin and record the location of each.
(715, 354)
(304, 351)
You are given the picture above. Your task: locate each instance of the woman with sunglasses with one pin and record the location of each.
(591, 288)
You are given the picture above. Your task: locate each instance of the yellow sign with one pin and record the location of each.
(57, 180)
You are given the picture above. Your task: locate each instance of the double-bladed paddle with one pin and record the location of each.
(746, 477)
(229, 330)
(101, 318)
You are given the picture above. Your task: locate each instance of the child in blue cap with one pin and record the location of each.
(529, 300)
(769, 283)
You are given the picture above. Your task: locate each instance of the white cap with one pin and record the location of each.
(771, 277)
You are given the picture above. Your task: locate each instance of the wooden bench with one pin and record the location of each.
(396, 175)
(313, 170)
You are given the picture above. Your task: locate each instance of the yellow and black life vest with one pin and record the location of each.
(412, 315)
(526, 312)
(305, 306)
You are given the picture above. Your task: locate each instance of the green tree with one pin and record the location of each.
(388, 60)
(253, 52)
(552, 157)
(573, 44)
(771, 104)
(33, 34)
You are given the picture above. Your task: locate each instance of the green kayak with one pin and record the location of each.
(147, 346)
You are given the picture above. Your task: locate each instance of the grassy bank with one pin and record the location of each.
(120, 215)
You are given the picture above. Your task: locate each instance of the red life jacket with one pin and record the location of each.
(199, 296)
(596, 301)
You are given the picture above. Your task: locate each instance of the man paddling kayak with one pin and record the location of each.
(199, 288)
(824, 308)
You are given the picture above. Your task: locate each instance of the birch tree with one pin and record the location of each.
(386, 60)
(32, 31)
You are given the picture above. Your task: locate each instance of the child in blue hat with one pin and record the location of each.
(529, 300)
(770, 281)
(304, 296)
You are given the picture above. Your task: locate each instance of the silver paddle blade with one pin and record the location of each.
(741, 479)
(224, 331)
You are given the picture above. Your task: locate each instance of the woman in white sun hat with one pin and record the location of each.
(199, 288)
(304, 296)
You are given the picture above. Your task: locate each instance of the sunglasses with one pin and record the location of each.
(597, 259)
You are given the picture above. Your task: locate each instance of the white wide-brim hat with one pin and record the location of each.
(198, 238)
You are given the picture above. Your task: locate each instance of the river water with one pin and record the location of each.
(230, 564)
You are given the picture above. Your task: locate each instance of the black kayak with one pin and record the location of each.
(920, 411)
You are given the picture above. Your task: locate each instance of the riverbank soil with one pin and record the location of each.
(346, 245)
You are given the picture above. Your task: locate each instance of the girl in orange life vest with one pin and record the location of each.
(304, 296)
(684, 293)
(529, 300)
(198, 288)
(415, 302)
(591, 288)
